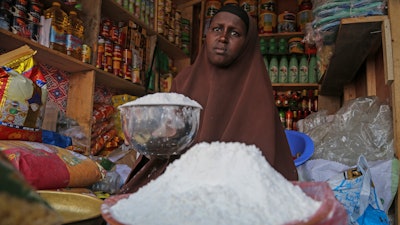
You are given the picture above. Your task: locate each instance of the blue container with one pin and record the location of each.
(301, 146)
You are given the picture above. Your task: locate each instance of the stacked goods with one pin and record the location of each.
(21, 17)
(23, 96)
(104, 134)
(141, 9)
(168, 22)
(121, 49)
(327, 16)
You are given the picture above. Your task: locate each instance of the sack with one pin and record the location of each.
(355, 189)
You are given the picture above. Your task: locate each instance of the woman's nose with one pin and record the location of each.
(223, 37)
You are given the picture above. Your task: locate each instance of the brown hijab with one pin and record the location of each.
(238, 106)
(238, 103)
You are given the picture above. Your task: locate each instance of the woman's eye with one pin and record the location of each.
(216, 29)
(235, 34)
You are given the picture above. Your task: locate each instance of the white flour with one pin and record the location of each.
(160, 98)
(218, 183)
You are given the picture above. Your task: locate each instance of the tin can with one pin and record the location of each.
(116, 67)
(265, 6)
(117, 53)
(100, 53)
(34, 30)
(105, 28)
(108, 47)
(86, 53)
(286, 22)
(304, 17)
(212, 6)
(296, 45)
(250, 6)
(267, 23)
(34, 12)
(108, 64)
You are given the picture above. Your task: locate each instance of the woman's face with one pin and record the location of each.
(225, 39)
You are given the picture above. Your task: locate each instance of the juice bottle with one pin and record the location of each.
(59, 23)
(74, 37)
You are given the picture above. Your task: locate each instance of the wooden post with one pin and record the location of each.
(394, 18)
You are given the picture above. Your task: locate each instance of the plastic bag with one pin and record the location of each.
(363, 126)
(355, 189)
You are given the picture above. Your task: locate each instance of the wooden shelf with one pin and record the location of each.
(294, 86)
(10, 41)
(113, 10)
(356, 39)
(284, 34)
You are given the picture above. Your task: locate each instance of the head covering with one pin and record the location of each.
(236, 10)
(238, 103)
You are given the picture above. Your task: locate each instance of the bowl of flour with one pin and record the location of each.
(227, 184)
(160, 124)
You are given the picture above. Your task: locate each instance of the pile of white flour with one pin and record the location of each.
(218, 183)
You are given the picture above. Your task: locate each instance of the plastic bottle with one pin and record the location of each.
(282, 46)
(283, 70)
(75, 34)
(313, 70)
(273, 69)
(303, 69)
(293, 69)
(273, 46)
(59, 23)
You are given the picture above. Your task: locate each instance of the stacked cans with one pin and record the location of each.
(169, 21)
(21, 17)
(119, 49)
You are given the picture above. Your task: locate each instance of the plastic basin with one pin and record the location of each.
(301, 146)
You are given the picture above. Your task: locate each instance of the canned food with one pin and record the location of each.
(18, 12)
(34, 30)
(34, 13)
(19, 26)
(212, 6)
(86, 53)
(265, 6)
(108, 47)
(286, 22)
(267, 22)
(105, 28)
(250, 6)
(296, 45)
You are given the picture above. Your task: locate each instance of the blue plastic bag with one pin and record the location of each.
(355, 189)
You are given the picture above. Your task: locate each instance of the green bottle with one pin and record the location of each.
(283, 70)
(303, 69)
(273, 46)
(293, 69)
(273, 69)
(313, 70)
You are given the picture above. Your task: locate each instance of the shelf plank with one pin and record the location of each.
(113, 10)
(10, 41)
(356, 39)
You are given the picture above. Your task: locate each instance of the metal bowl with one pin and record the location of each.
(159, 130)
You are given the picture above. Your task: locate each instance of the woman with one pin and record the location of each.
(230, 81)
